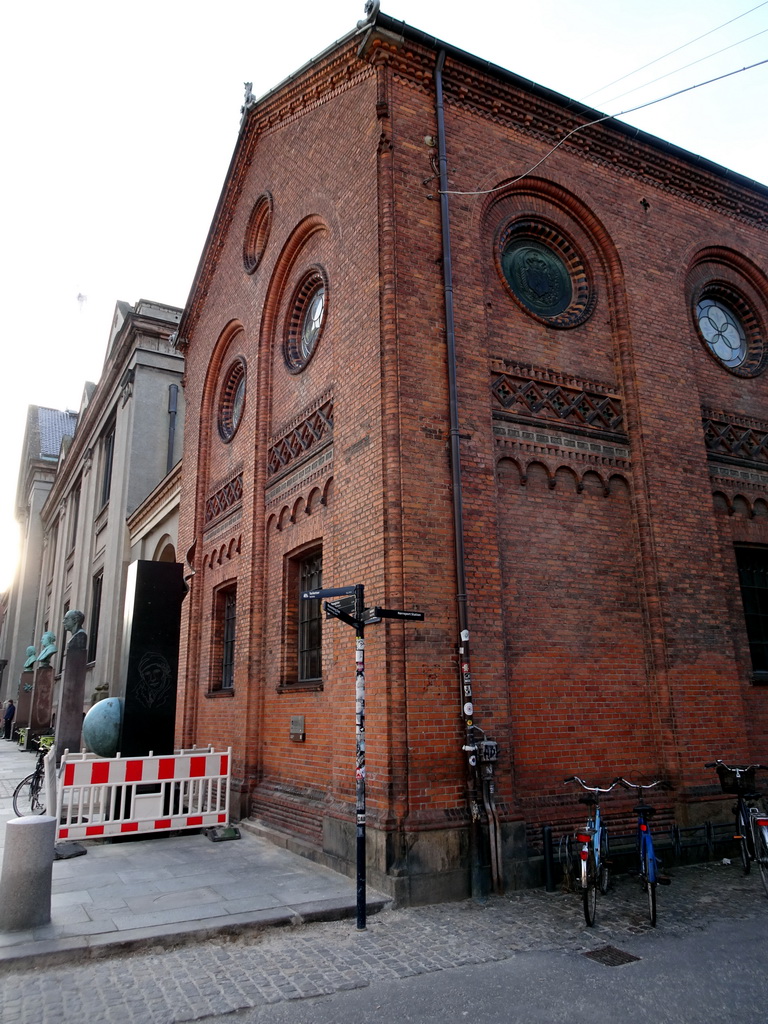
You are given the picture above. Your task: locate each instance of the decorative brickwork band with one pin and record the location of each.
(731, 438)
(558, 401)
(302, 436)
(224, 499)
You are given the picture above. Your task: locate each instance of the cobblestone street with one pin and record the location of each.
(219, 977)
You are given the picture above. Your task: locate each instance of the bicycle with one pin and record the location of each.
(29, 795)
(751, 822)
(648, 871)
(594, 848)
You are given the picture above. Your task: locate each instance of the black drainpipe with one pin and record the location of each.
(471, 746)
(173, 394)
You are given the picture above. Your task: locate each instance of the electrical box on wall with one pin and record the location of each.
(297, 728)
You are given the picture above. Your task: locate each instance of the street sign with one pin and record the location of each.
(336, 610)
(312, 595)
(396, 613)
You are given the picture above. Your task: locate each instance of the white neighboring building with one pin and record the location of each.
(120, 467)
(45, 431)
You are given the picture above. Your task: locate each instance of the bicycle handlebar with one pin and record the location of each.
(735, 767)
(590, 789)
(637, 785)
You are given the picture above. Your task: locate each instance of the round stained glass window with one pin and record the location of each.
(257, 232)
(722, 331)
(232, 400)
(313, 319)
(306, 319)
(730, 330)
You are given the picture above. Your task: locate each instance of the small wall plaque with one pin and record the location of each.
(297, 728)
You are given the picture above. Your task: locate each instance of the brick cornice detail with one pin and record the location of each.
(735, 438)
(531, 114)
(541, 396)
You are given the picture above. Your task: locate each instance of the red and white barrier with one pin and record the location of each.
(129, 795)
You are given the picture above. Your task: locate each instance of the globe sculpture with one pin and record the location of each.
(101, 727)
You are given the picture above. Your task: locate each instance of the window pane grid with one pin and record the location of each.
(753, 577)
(310, 620)
(228, 642)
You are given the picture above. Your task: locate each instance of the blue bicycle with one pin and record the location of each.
(648, 867)
(594, 848)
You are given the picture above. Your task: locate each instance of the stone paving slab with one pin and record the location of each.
(230, 974)
(169, 889)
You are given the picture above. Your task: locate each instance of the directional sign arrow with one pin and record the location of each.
(333, 610)
(312, 595)
(397, 613)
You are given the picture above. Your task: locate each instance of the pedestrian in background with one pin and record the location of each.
(10, 713)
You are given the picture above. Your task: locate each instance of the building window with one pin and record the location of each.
(310, 620)
(93, 634)
(730, 330)
(257, 232)
(74, 515)
(753, 579)
(232, 400)
(306, 318)
(224, 637)
(108, 452)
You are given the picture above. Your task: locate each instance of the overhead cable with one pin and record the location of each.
(598, 120)
(676, 50)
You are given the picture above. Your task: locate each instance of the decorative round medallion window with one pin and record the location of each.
(232, 400)
(545, 273)
(306, 319)
(257, 232)
(730, 330)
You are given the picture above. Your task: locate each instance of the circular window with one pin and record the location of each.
(545, 273)
(232, 400)
(306, 319)
(730, 330)
(257, 232)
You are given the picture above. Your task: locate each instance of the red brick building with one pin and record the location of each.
(517, 389)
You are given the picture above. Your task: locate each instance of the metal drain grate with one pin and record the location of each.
(611, 957)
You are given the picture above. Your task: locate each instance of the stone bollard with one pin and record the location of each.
(25, 884)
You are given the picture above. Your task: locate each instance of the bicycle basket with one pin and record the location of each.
(732, 783)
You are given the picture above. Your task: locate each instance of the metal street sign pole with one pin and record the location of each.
(360, 753)
(351, 610)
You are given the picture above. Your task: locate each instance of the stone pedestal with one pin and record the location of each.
(152, 619)
(42, 699)
(24, 701)
(27, 872)
(69, 715)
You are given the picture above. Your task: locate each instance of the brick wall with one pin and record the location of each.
(607, 634)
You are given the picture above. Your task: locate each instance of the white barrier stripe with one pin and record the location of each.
(113, 828)
(94, 792)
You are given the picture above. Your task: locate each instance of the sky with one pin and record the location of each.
(118, 122)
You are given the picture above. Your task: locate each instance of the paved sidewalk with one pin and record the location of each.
(167, 890)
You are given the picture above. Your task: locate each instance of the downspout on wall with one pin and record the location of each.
(479, 771)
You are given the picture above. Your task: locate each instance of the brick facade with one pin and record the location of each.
(603, 467)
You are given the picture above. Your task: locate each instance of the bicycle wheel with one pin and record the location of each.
(603, 874)
(589, 890)
(28, 797)
(651, 891)
(649, 878)
(761, 853)
(743, 832)
(566, 861)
